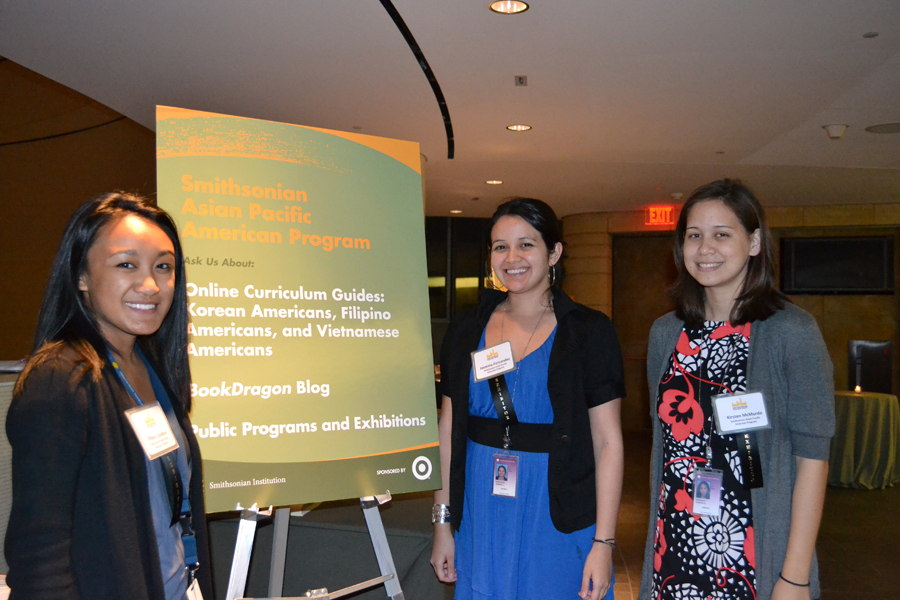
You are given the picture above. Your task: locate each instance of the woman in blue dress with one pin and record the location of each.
(548, 420)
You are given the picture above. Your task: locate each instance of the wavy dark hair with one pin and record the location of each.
(65, 319)
(759, 298)
(539, 215)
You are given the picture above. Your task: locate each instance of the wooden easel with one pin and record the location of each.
(240, 565)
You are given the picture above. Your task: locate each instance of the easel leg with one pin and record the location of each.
(243, 546)
(279, 551)
(382, 550)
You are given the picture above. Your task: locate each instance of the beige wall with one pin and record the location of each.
(623, 268)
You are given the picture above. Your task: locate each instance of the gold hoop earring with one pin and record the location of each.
(492, 279)
(552, 275)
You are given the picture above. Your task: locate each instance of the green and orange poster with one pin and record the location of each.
(307, 286)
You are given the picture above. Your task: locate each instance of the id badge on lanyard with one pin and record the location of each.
(505, 474)
(152, 429)
(707, 492)
(193, 591)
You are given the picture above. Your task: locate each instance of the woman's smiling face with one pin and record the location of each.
(519, 257)
(717, 248)
(129, 281)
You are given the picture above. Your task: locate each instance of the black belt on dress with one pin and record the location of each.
(524, 437)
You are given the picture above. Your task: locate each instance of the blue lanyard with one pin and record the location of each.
(122, 378)
(180, 502)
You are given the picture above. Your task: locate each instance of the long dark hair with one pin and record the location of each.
(539, 215)
(65, 319)
(759, 298)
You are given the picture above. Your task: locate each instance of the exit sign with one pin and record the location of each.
(659, 215)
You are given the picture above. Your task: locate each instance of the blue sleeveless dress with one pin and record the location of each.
(507, 548)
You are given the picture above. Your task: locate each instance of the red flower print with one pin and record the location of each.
(682, 412)
(683, 501)
(750, 548)
(683, 347)
(659, 545)
(728, 329)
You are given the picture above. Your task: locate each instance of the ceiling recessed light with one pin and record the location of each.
(520, 127)
(508, 7)
(493, 182)
(456, 212)
(870, 35)
(835, 130)
(884, 128)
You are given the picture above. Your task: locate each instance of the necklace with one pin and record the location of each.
(512, 397)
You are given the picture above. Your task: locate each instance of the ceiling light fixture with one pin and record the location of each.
(884, 128)
(518, 127)
(508, 7)
(493, 182)
(456, 211)
(835, 131)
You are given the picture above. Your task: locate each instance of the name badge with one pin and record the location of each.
(505, 474)
(193, 592)
(738, 413)
(493, 361)
(152, 429)
(707, 492)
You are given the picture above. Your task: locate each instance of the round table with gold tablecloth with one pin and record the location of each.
(865, 451)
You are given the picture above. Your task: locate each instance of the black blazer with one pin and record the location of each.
(585, 371)
(81, 525)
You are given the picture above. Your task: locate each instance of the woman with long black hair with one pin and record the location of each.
(107, 486)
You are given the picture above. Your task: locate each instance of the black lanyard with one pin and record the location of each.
(503, 405)
(747, 446)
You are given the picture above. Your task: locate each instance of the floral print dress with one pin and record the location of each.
(702, 557)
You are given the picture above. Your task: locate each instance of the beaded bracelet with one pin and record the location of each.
(782, 577)
(611, 542)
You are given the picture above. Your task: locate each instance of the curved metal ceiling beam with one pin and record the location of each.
(429, 74)
(64, 134)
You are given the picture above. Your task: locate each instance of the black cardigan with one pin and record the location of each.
(81, 525)
(585, 371)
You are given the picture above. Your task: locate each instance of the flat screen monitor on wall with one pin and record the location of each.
(850, 265)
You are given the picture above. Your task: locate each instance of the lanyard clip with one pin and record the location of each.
(506, 440)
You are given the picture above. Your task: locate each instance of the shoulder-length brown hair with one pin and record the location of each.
(759, 298)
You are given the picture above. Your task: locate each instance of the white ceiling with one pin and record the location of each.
(631, 100)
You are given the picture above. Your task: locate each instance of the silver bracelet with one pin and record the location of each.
(440, 513)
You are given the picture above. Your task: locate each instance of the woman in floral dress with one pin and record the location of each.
(735, 509)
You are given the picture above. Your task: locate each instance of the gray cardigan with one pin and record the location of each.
(789, 363)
